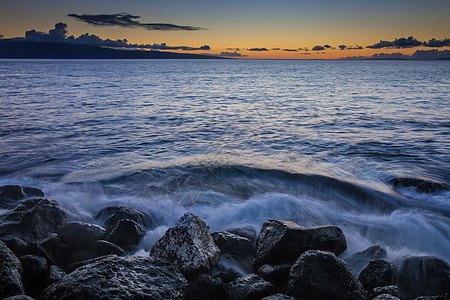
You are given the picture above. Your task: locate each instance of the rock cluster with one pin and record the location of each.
(46, 255)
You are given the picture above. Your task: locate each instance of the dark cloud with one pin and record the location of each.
(318, 48)
(231, 54)
(305, 53)
(127, 20)
(164, 46)
(342, 47)
(234, 49)
(327, 46)
(258, 49)
(59, 33)
(303, 49)
(418, 55)
(290, 50)
(437, 43)
(397, 43)
(275, 49)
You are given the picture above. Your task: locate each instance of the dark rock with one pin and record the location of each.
(19, 297)
(278, 297)
(80, 235)
(10, 195)
(15, 244)
(126, 234)
(249, 287)
(34, 275)
(73, 266)
(359, 260)
(385, 297)
(282, 242)
(246, 231)
(276, 274)
(189, 245)
(113, 214)
(203, 286)
(390, 289)
(116, 277)
(52, 249)
(244, 263)
(105, 248)
(55, 274)
(33, 219)
(232, 243)
(10, 269)
(421, 185)
(423, 276)
(322, 275)
(440, 297)
(378, 272)
(226, 275)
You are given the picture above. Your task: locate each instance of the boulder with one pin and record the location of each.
(226, 275)
(10, 195)
(233, 243)
(116, 277)
(420, 184)
(390, 289)
(385, 297)
(102, 248)
(276, 274)
(16, 245)
(52, 250)
(203, 286)
(246, 231)
(249, 287)
(10, 269)
(79, 235)
(19, 297)
(423, 276)
(55, 274)
(278, 297)
(111, 215)
(322, 275)
(34, 274)
(189, 245)
(33, 219)
(378, 273)
(126, 234)
(282, 242)
(440, 297)
(359, 260)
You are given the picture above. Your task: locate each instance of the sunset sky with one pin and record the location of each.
(236, 26)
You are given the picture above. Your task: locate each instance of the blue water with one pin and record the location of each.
(237, 142)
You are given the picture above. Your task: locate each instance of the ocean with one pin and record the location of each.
(237, 142)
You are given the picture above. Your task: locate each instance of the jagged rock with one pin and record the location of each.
(232, 243)
(278, 297)
(423, 276)
(246, 231)
(378, 273)
(359, 260)
(10, 269)
(322, 275)
(276, 274)
(284, 241)
(390, 289)
(79, 235)
(203, 286)
(126, 234)
(189, 245)
(385, 297)
(113, 214)
(19, 297)
(34, 274)
(116, 277)
(249, 287)
(10, 195)
(420, 184)
(55, 274)
(33, 219)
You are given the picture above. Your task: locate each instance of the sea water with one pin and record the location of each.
(237, 142)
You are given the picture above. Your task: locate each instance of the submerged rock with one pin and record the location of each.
(421, 185)
(116, 277)
(249, 287)
(126, 234)
(246, 231)
(322, 275)
(423, 276)
(10, 269)
(284, 241)
(78, 234)
(232, 243)
(378, 273)
(10, 195)
(189, 245)
(359, 260)
(113, 214)
(33, 219)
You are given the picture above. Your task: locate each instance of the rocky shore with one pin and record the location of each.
(46, 254)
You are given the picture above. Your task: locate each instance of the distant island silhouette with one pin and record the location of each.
(55, 50)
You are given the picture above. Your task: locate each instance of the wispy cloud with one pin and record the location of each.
(127, 20)
(231, 54)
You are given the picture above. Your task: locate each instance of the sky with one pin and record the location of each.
(288, 29)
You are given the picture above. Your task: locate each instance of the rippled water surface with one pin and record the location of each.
(237, 142)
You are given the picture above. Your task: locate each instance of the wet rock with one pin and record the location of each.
(33, 219)
(423, 276)
(226, 275)
(10, 269)
(16, 245)
(246, 231)
(79, 235)
(385, 297)
(390, 289)
(359, 260)
(232, 243)
(250, 286)
(34, 274)
(276, 274)
(113, 214)
(126, 234)
(203, 286)
(52, 249)
(105, 248)
(440, 297)
(116, 277)
(378, 273)
(72, 267)
(55, 274)
(278, 297)
(322, 275)
(420, 184)
(284, 241)
(10, 195)
(189, 245)
(19, 297)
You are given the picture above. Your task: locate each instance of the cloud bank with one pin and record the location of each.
(397, 43)
(127, 20)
